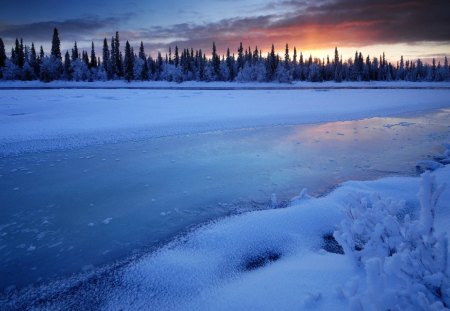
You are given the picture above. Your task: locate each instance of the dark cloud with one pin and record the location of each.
(72, 29)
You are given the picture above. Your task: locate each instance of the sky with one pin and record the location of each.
(412, 28)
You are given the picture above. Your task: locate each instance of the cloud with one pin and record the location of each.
(314, 25)
(305, 24)
(71, 29)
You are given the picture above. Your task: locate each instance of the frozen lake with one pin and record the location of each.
(65, 212)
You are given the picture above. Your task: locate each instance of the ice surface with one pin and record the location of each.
(57, 119)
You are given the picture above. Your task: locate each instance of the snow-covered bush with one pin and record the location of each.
(80, 70)
(405, 262)
(11, 71)
(51, 69)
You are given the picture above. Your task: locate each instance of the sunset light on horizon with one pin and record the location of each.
(414, 29)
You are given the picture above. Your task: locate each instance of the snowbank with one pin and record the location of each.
(208, 269)
(64, 118)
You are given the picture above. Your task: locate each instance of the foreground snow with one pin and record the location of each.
(209, 269)
(278, 259)
(54, 119)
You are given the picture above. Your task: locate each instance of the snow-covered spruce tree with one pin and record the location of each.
(404, 261)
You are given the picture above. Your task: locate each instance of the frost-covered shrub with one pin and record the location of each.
(11, 71)
(80, 70)
(405, 262)
(282, 74)
(51, 69)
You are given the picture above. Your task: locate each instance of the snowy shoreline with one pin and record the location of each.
(195, 85)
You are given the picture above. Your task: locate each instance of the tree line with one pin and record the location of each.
(26, 63)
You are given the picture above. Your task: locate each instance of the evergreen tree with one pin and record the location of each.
(143, 75)
(19, 55)
(294, 59)
(230, 64)
(93, 62)
(215, 62)
(287, 58)
(271, 64)
(107, 60)
(240, 59)
(117, 56)
(128, 63)
(2, 54)
(56, 45)
(336, 56)
(446, 69)
(85, 58)
(34, 62)
(177, 57)
(67, 67)
(41, 53)
(75, 54)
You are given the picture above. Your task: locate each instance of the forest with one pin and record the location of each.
(26, 63)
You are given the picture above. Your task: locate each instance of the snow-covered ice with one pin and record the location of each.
(57, 119)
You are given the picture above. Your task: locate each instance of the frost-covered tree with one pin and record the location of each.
(282, 74)
(50, 69)
(80, 71)
(224, 71)
(11, 71)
